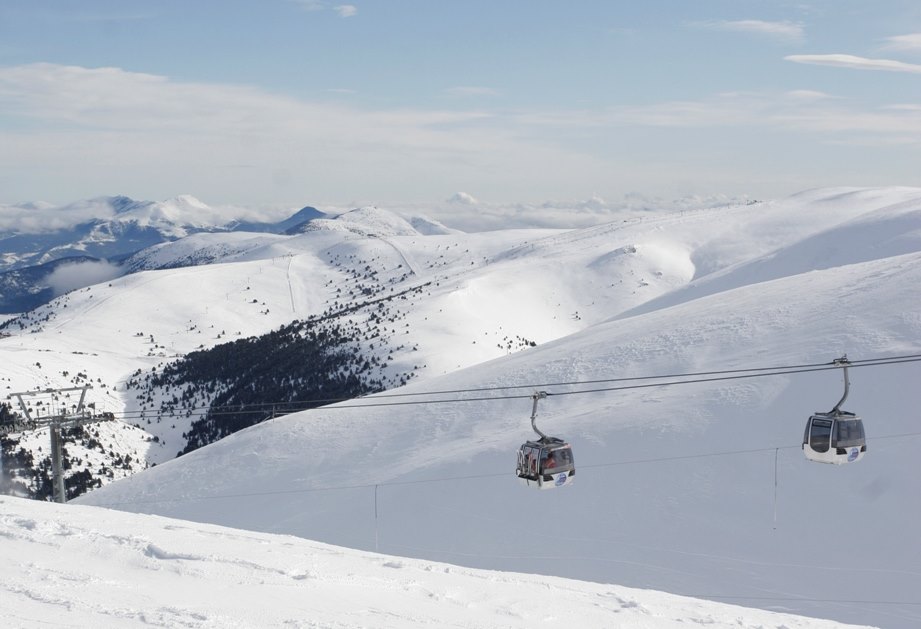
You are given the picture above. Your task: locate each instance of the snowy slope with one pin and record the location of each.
(700, 526)
(708, 289)
(81, 566)
(866, 224)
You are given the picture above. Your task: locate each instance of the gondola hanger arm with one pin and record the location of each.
(537, 396)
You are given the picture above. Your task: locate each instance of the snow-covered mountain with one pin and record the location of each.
(36, 239)
(98, 568)
(105, 227)
(698, 489)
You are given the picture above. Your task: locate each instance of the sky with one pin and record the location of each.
(403, 101)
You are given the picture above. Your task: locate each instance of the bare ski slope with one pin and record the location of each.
(676, 485)
(78, 566)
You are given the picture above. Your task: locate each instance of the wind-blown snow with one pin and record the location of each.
(675, 486)
(89, 567)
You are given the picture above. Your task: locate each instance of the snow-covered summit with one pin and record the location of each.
(372, 221)
(107, 227)
(368, 221)
(174, 217)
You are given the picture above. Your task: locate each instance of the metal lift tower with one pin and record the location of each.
(57, 421)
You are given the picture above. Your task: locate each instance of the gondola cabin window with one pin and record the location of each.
(820, 439)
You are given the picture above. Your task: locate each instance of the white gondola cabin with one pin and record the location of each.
(834, 438)
(545, 463)
(837, 436)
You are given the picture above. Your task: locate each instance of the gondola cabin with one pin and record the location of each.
(546, 463)
(834, 438)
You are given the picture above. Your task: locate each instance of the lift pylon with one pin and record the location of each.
(77, 415)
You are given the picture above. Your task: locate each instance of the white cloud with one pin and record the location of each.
(109, 130)
(68, 277)
(40, 218)
(343, 10)
(111, 99)
(903, 107)
(462, 198)
(800, 111)
(880, 126)
(310, 5)
(906, 43)
(857, 63)
(789, 31)
(470, 90)
(808, 95)
(558, 214)
(723, 111)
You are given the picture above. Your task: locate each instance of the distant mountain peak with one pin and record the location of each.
(188, 201)
(121, 203)
(376, 220)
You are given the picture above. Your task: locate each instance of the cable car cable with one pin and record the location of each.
(395, 483)
(767, 371)
(723, 378)
(799, 600)
(740, 374)
(831, 365)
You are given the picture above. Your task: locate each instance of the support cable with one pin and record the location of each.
(440, 479)
(728, 375)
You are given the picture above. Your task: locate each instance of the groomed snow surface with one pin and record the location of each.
(74, 566)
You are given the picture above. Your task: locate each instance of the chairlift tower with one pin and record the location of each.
(57, 421)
